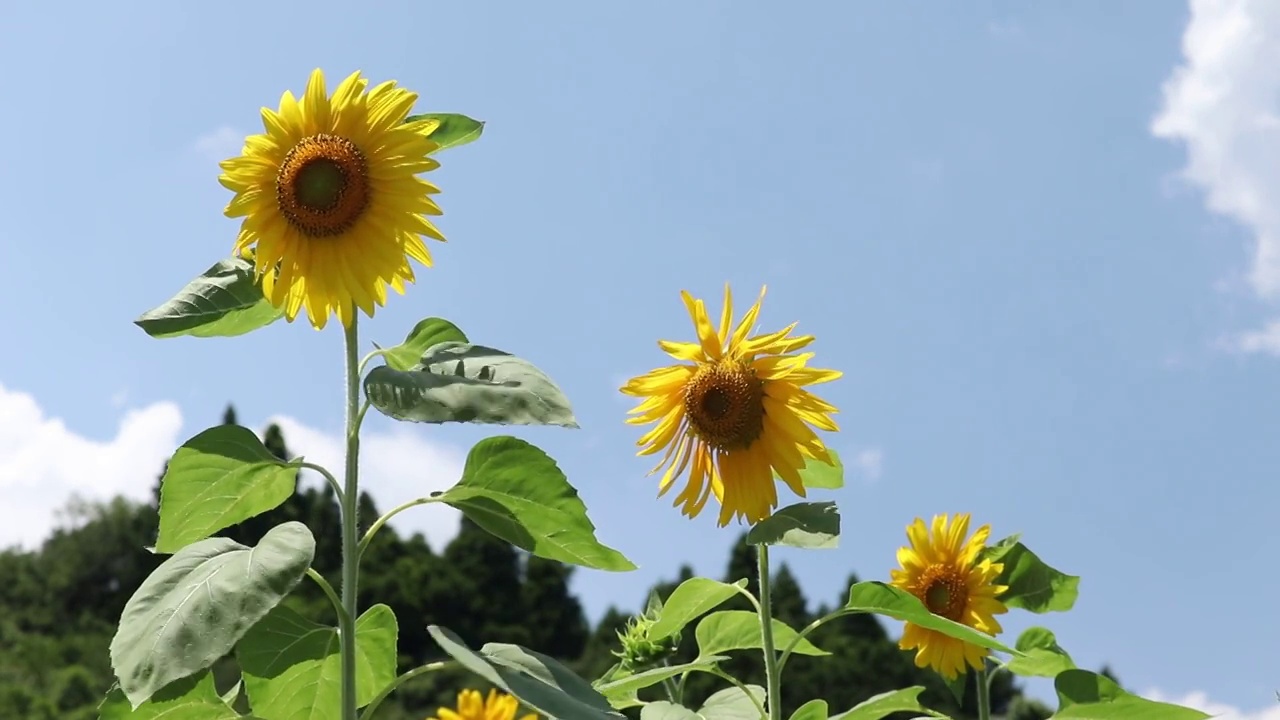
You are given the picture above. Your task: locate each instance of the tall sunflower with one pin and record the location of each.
(331, 198)
(942, 569)
(733, 414)
(473, 706)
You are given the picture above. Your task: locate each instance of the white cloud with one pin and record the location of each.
(1200, 701)
(1223, 104)
(1264, 340)
(219, 144)
(44, 464)
(869, 463)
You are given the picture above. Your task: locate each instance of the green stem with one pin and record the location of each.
(350, 546)
(795, 641)
(328, 592)
(377, 525)
(738, 684)
(984, 694)
(328, 476)
(772, 672)
(422, 669)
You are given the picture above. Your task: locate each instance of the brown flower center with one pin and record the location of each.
(945, 592)
(323, 185)
(725, 405)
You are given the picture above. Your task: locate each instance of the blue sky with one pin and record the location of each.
(1043, 256)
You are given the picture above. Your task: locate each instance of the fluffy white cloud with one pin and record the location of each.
(220, 143)
(1200, 701)
(870, 463)
(1223, 104)
(44, 464)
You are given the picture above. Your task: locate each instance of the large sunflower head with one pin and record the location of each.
(733, 413)
(331, 199)
(474, 706)
(941, 568)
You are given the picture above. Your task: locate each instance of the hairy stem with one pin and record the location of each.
(350, 542)
(772, 671)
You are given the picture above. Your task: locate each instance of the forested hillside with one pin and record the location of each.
(59, 605)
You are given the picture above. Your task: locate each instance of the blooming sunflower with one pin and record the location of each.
(734, 414)
(942, 569)
(331, 198)
(473, 706)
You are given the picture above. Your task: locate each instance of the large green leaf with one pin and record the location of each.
(292, 666)
(198, 604)
(813, 525)
(888, 703)
(876, 597)
(535, 679)
(624, 688)
(453, 130)
(458, 382)
(732, 703)
(223, 302)
(740, 630)
(689, 600)
(190, 698)
(1083, 695)
(424, 335)
(216, 479)
(812, 710)
(1041, 654)
(517, 492)
(663, 710)
(1033, 585)
(820, 475)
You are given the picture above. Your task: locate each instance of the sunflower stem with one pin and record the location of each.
(984, 693)
(772, 670)
(350, 542)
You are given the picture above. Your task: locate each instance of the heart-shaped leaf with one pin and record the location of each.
(814, 525)
(225, 301)
(740, 630)
(425, 334)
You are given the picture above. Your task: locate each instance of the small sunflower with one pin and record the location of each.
(473, 706)
(942, 570)
(733, 414)
(331, 198)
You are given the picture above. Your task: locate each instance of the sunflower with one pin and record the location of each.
(942, 570)
(473, 706)
(734, 414)
(331, 198)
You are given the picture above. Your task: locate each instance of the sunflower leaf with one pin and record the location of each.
(453, 129)
(623, 689)
(535, 679)
(288, 662)
(882, 599)
(218, 478)
(733, 703)
(517, 492)
(459, 382)
(192, 698)
(888, 703)
(691, 599)
(1083, 695)
(197, 605)
(1042, 656)
(740, 630)
(1033, 585)
(813, 525)
(223, 302)
(820, 475)
(427, 333)
(812, 710)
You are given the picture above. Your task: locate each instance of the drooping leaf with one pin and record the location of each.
(459, 382)
(888, 703)
(740, 630)
(1083, 695)
(535, 679)
(453, 129)
(1041, 654)
(424, 335)
(190, 698)
(291, 665)
(218, 478)
(1033, 585)
(732, 703)
(624, 688)
(223, 302)
(812, 710)
(882, 599)
(198, 604)
(813, 525)
(691, 599)
(517, 492)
